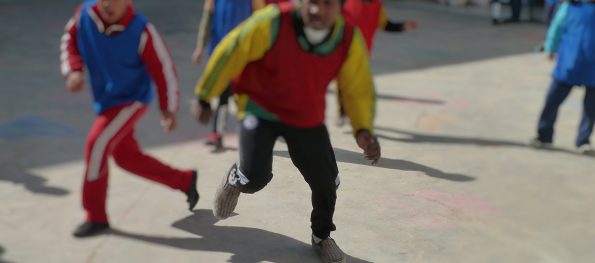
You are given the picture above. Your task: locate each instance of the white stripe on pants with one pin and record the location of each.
(101, 143)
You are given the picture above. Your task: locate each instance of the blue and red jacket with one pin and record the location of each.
(122, 59)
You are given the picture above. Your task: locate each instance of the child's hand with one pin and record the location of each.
(168, 121)
(197, 55)
(201, 111)
(551, 57)
(75, 82)
(370, 145)
(410, 25)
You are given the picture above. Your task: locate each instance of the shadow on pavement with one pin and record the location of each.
(247, 245)
(410, 99)
(1, 254)
(413, 137)
(33, 183)
(346, 156)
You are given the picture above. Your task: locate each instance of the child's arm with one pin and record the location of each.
(204, 30)
(257, 5)
(554, 34)
(356, 86)
(157, 59)
(246, 43)
(359, 97)
(71, 63)
(389, 26)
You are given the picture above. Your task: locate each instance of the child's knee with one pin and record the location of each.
(250, 181)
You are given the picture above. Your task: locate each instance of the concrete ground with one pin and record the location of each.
(457, 101)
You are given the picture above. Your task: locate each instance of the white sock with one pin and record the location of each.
(316, 239)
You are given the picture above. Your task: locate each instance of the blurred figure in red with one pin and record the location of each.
(369, 16)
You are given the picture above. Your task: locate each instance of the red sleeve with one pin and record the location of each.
(70, 57)
(158, 61)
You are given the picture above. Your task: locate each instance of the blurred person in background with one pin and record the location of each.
(369, 16)
(219, 18)
(571, 42)
(516, 7)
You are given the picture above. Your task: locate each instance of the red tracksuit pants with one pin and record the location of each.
(112, 134)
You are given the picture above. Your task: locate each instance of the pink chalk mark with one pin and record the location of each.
(459, 103)
(441, 209)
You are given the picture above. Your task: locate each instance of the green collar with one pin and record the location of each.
(328, 45)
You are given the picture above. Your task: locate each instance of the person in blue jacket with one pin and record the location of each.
(219, 18)
(571, 41)
(549, 10)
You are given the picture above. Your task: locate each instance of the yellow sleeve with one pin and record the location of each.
(357, 86)
(382, 19)
(258, 4)
(246, 43)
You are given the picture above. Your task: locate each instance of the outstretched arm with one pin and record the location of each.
(204, 30)
(359, 97)
(389, 26)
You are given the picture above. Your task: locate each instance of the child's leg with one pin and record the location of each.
(556, 95)
(220, 116)
(516, 6)
(107, 128)
(129, 156)
(588, 119)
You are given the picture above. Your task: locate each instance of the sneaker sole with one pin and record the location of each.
(317, 249)
(226, 199)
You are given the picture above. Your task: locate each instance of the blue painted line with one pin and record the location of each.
(34, 126)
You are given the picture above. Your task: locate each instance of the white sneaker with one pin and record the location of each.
(536, 143)
(586, 149)
(226, 199)
(328, 251)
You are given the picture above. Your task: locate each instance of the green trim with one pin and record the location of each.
(214, 76)
(330, 45)
(303, 42)
(275, 27)
(257, 110)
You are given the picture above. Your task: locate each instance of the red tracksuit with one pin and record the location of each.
(112, 133)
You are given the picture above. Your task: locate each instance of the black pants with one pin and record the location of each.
(220, 115)
(310, 151)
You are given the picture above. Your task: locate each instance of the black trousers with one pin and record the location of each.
(310, 151)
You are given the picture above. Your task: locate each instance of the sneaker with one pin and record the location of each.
(586, 149)
(226, 198)
(328, 251)
(192, 194)
(213, 139)
(536, 143)
(219, 144)
(88, 229)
